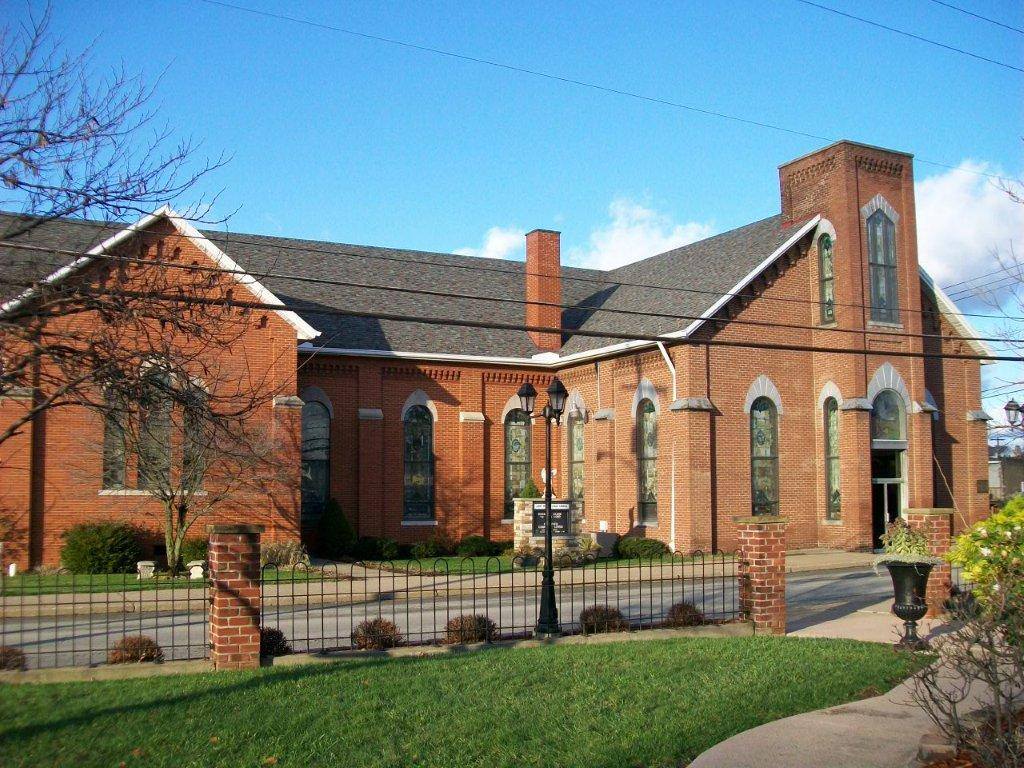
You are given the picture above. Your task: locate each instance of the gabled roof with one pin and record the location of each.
(45, 233)
(697, 279)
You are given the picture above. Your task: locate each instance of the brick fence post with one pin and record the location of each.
(762, 571)
(235, 596)
(937, 525)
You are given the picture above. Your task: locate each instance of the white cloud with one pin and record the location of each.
(962, 221)
(634, 232)
(499, 243)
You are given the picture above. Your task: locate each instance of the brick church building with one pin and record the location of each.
(803, 366)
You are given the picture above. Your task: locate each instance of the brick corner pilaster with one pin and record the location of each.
(235, 596)
(936, 523)
(762, 571)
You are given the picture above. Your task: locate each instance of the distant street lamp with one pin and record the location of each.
(1013, 414)
(547, 619)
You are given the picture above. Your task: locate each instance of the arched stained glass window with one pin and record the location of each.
(647, 462)
(887, 421)
(832, 500)
(885, 305)
(517, 457)
(418, 425)
(115, 449)
(316, 457)
(764, 457)
(826, 278)
(576, 446)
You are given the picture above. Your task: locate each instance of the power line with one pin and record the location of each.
(510, 300)
(1001, 271)
(502, 299)
(482, 267)
(911, 35)
(998, 23)
(559, 78)
(492, 325)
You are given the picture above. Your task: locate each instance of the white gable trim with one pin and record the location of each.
(952, 313)
(303, 330)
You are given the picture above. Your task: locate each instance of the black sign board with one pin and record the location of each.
(561, 518)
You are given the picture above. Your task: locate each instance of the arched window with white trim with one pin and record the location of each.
(647, 462)
(316, 460)
(882, 276)
(831, 425)
(418, 429)
(518, 457)
(764, 457)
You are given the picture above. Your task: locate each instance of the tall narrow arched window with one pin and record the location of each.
(885, 305)
(764, 457)
(576, 446)
(418, 426)
(832, 498)
(196, 443)
(115, 450)
(826, 279)
(887, 419)
(316, 458)
(518, 466)
(155, 431)
(647, 462)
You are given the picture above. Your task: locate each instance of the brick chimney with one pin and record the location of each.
(544, 284)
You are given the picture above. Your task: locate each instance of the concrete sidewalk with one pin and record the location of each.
(881, 732)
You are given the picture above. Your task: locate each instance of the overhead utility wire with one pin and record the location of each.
(502, 299)
(508, 300)
(911, 35)
(998, 23)
(1016, 269)
(239, 239)
(492, 325)
(559, 78)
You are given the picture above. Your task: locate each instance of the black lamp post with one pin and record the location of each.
(547, 619)
(1013, 413)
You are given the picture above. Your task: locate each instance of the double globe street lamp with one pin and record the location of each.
(547, 619)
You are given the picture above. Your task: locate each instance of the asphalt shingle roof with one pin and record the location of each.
(712, 266)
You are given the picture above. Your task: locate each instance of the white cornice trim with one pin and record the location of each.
(303, 330)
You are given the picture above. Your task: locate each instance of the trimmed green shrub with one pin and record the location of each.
(435, 546)
(376, 634)
(135, 648)
(683, 615)
(194, 549)
(602, 618)
(480, 546)
(635, 546)
(529, 491)
(12, 659)
(273, 642)
(373, 548)
(335, 536)
(470, 629)
(101, 548)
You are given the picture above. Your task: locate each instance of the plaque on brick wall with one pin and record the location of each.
(983, 486)
(561, 518)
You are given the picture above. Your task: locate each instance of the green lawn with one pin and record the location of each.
(65, 583)
(652, 703)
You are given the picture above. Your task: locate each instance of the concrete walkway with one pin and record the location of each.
(881, 732)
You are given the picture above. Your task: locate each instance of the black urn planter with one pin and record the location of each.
(909, 582)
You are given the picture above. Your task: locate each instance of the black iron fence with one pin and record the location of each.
(319, 608)
(60, 619)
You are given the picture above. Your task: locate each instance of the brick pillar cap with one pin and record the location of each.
(759, 519)
(237, 528)
(930, 511)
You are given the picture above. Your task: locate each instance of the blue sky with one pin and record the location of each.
(348, 139)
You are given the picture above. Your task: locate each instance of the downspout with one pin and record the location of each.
(672, 480)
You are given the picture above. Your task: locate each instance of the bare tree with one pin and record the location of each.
(73, 144)
(76, 145)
